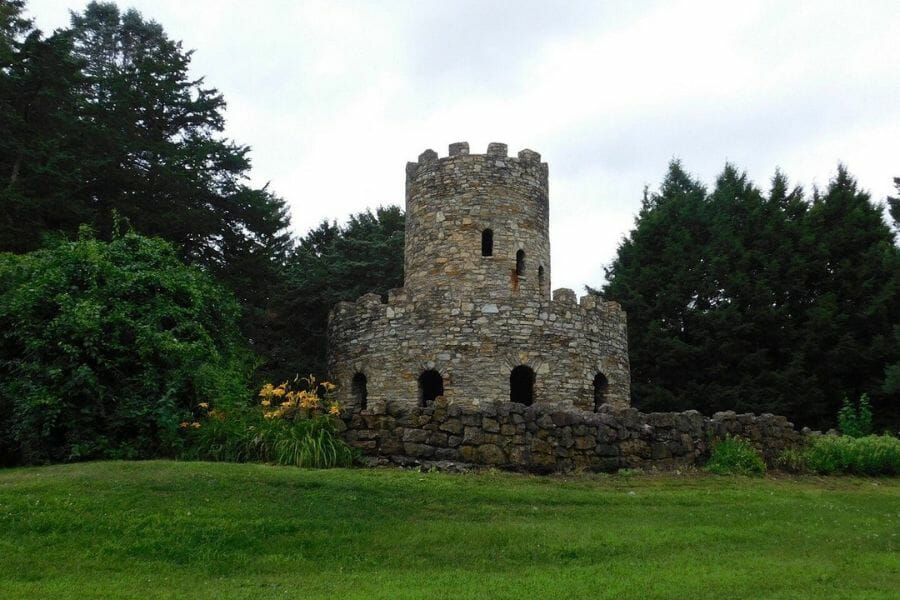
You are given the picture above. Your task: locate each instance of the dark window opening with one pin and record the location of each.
(520, 263)
(359, 389)
(541, 278)
(521, 385)
(431, 385)
(487, 242)
(601, 385)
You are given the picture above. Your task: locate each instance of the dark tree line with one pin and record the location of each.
(760, 301)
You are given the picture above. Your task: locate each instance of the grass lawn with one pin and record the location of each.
(168, 529)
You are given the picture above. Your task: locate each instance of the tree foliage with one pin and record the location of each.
(751, 301)
(106, 347)
(331, 264)
(104, 119)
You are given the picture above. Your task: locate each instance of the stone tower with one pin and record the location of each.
(475, 321)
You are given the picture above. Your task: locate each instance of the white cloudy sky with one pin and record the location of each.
(335, 97)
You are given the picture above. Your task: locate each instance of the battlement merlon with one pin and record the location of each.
(495, 162)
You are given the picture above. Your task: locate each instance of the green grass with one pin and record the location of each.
(206, 530)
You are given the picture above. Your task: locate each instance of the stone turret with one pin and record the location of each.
(477, 225)
(475, 322)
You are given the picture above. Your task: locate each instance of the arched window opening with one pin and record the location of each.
(541, 278)
(601, 386)
(359, 389)
(521, 385)
(431, 385)
(487, 242)
(520, 263)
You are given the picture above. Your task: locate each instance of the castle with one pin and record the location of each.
(475, 322)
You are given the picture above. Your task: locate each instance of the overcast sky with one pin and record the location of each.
(335, 97)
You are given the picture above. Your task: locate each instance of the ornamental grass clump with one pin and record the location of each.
(735, 456)
(292, 424)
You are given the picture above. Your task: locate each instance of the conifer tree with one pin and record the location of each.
(659, 277)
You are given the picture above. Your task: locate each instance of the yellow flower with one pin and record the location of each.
(266, 402)
(184, 425)
(266, 390)
(278, 392)
(195, 425)
(334, 410)
(270, 414)
(203, 405)
(329, 387)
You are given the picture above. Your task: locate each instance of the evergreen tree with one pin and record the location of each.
(331, 264)
(854, 277)
(894, 205)
(659, 278)
(764, 304)
(156, 155)
(40, 135)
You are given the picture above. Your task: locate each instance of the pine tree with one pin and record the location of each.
(854, 277)
(331, 264)
(659, 277)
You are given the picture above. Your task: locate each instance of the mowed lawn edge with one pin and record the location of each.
(166, 529)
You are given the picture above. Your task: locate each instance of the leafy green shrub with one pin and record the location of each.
(106, 347)
(855, 421)
(735, 456)
(838, 455)
(287, 428)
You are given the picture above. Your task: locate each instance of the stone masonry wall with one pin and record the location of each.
(450, 201)
(544, 439)
(471, 315)
(475, 345)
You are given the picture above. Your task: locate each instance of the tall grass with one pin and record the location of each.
(735, 456)
(845, 455)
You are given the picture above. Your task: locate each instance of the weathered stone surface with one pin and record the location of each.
(533, 439)
(468, 317)
(471, 317)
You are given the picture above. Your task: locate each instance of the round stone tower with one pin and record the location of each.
(478, 225)
(475, 321)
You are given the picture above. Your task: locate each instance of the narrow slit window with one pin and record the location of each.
(520, 263)
(601, 387)
(487, 242)
(541, 278)
(359, 389)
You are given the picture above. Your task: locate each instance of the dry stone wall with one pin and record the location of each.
(545, 439)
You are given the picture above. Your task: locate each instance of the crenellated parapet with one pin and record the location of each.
(455, 203)
(460, 168)
(475, 321)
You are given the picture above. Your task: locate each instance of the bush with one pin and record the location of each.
(839, 455)
(855, 421)
(287, 428)
(735, 456)
(106, 347)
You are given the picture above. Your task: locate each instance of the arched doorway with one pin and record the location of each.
(521, 385)
(431, 385)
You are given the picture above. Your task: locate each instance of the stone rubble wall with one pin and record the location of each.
(474, 345)
(546, 439)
